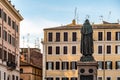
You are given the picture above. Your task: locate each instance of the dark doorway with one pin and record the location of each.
(86, 77)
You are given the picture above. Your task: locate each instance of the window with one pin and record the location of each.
(9, 38)
(57, 50)
(13, 24)
(108, 65)
(108, 78)
(99, 49)
(9, 21)
(0, 31)
(49, 49)
(74, 36)
(16, 77)
(73, 65)
(65, 50)
(117, 49)
(0, 13)
(5, 55)
(13, 41)
(65, 65)
(99, 78)
(65, 78)
(100, 36)
(73, 78)
(117, 64)
(49, 78)
(65, 36)
(117, 35)
(57, 36)
(13, 58)
(17, 29)
(100, 65)
(5, 35)
(4, 76)
(57, 78)
(118, 78)
(108, 49)
(73, 49)
(57, 65)
(21, 70)
(49, 65)
(108, 36)
(50, 36)
(13, 77)
(5, 16)
(0, 75)
(9, 56)
(0, 53)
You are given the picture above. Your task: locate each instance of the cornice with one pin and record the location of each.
(12, 9)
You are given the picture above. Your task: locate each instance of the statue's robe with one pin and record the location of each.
(86, 39)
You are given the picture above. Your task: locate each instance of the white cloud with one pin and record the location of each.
(35, 28)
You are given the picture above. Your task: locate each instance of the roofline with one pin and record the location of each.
(28, 64)
(94, 26)
(13, 9)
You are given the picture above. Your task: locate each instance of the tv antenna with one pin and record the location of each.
(23, 41)
(75, 12)
(101, 18)
(109, 14)
(28, 39)
(87, 16)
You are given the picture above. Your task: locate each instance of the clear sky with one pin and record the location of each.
(40, 14)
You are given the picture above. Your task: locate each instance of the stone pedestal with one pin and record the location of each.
(87, 70)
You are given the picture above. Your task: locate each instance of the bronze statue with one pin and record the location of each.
(87, 41)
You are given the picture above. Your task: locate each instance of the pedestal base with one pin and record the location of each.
(87, 70)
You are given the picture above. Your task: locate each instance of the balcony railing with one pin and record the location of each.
(11, 65)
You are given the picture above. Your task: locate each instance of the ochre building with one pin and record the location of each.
(30, 64)
(61, 51)
(9, 41)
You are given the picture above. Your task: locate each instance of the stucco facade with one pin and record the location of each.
(9, 41)
(62, 52)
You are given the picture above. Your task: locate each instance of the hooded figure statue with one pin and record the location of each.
(87, 39)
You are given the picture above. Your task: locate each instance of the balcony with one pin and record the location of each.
(11, 65)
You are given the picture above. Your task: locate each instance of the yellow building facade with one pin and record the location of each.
(9, 41)
(61, 51)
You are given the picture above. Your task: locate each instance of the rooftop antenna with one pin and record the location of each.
(109, 14)
(28, 39)
(77, 18)
(75, 13)
(118, 21)
(87, 16)
(23, 41)
(35, 43)
(38, 42)
(101, 18)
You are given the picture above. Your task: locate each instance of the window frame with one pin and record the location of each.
(50, 37)
(74, 36)
(100, 49)
(65, 50)
(108, 36)
(108, 48)
(65, 36)
(73, 50)
(100, 36)
(57, 50)
(57, 36)
(49, 50)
